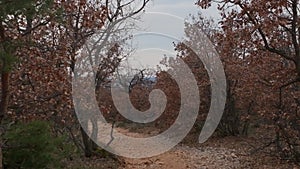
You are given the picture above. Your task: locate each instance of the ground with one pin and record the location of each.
(222, 153)
(218, 152)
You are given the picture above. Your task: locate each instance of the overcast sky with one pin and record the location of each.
(162, 25)
(181, 8)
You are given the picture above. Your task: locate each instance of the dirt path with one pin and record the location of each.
(185, 157)
(224, 153)
(182, 157)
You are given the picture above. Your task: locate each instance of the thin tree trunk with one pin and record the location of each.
(94, 134)
(298, 67)
(87, 142)
(4, 93)
(89, 145)
(3, 104)
(1, 157)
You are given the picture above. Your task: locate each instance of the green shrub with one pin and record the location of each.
(32, 145)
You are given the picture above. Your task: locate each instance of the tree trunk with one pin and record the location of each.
(4, 94)
(1, 157)
(89, 145)
(3, 104)
(94, 133)
(87, 142)
(298, 68)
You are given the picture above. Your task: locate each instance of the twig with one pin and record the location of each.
(77, 144)
(262, 147)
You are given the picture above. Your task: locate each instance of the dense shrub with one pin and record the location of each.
(32, 145)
